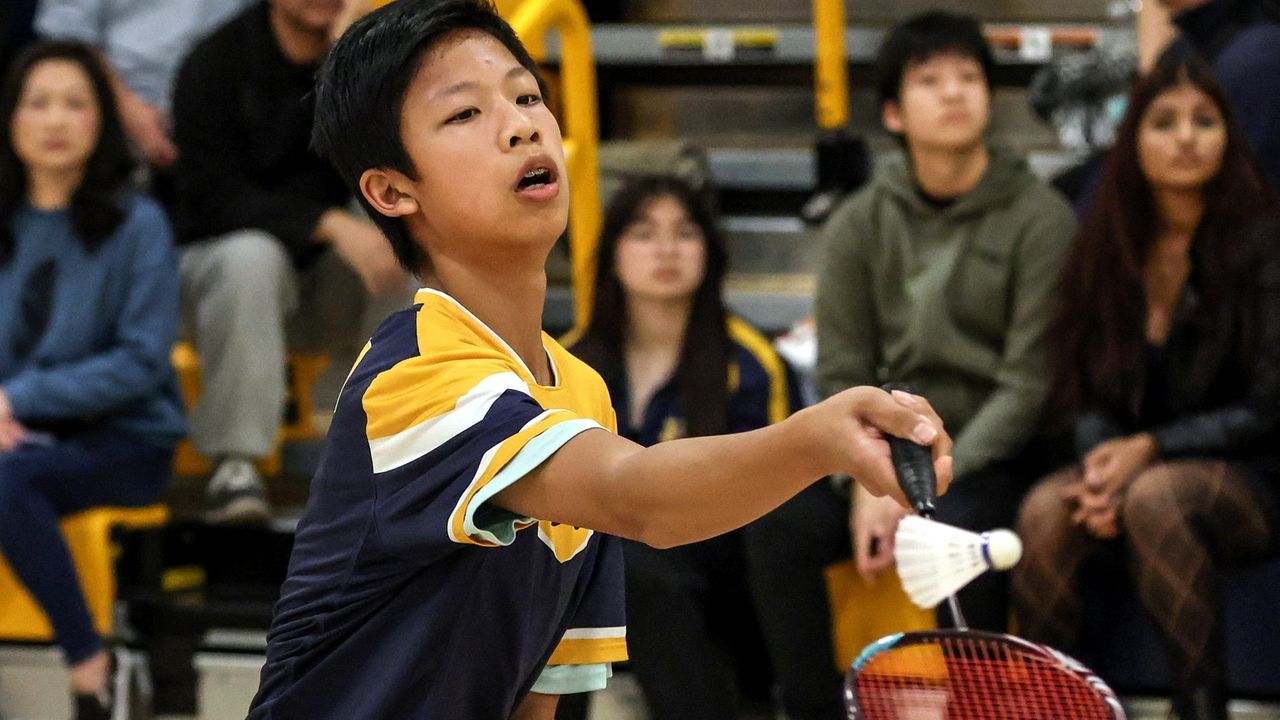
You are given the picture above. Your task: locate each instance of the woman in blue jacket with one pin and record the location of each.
(89, 408)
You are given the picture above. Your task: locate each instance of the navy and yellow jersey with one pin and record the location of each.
(762, 390)
(410, 595)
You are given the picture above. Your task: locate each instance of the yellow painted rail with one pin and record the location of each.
(830, 65)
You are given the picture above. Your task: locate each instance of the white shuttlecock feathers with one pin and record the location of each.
(935, 560)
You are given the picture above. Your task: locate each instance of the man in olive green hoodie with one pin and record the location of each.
(940, 273)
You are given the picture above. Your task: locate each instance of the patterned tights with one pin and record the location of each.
(1179, 521)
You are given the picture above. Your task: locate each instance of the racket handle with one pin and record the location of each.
(914, 465)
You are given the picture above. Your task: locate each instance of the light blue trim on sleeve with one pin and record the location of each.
(498, 526)
(569, 679)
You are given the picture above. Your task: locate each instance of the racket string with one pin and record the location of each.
(973, 679)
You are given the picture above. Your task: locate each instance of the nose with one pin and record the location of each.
(1186, 133)
(667, 245)
(951, 87)
(56, 115)
(520, 128)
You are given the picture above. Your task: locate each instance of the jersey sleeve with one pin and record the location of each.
(444, 438)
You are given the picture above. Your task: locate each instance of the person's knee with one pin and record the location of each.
(1151, 502)
(248, 263)
(1043, 508)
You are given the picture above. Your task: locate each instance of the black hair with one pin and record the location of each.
(1099, 331)
(96, 209)
(361, 87)
(702, 373)
(923, 37)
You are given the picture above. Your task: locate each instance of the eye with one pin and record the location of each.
(463, 116)
(1206, 121)
(529, 99)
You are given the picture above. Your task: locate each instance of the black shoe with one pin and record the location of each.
(1200, 703)
(94, 707)
(99, 706)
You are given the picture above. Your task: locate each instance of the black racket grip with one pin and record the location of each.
(914, 464)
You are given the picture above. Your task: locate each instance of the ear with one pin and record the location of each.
(389, 192)
(891, 116)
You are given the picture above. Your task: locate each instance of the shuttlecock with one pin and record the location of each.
(935, 560)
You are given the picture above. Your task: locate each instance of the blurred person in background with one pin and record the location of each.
(89, 407)
(1168, 356)
(272, 257)
(679, 364)
(1241, 41)
(940, 274)
(143, 42)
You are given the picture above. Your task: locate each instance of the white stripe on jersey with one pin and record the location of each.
(404, 447)
(595, 633)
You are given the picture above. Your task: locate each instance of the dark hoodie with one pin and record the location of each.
(1241, 39)
(954, 299)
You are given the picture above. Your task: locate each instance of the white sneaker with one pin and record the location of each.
(236, 495)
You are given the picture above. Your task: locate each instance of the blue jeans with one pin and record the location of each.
(38, 485)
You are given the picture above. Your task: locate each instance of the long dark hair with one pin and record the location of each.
(702, 373)
(1100, 329)
(96, 204)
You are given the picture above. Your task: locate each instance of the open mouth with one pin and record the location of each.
(536, 178)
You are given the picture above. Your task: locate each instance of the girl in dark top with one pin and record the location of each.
(678, 364)
(89, 409)
(1169, 358)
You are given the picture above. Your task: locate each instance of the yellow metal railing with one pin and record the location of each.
(830, 66)
(532, 19)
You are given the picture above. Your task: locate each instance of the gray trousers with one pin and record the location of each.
(244, 303)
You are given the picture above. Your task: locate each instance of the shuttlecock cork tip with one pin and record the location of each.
(1003, 549)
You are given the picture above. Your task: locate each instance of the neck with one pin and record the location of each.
(508, 297)
(1180, 211)
(52, 189)
(300, 45)
(657, 324)
(946, 174)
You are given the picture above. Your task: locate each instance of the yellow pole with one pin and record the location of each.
(831, 68)
(531, 21)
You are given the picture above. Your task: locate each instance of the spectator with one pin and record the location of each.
(1239, 38)
(143, 41)
(678, 364)
(89, 408)
(939, 273)
(269, 245)
(1168, 348)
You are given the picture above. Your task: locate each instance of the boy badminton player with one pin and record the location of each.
(457, 557)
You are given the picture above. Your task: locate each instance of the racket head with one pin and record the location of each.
(973, 675)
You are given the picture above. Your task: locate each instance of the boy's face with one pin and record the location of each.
(944, 104)
(490, 160)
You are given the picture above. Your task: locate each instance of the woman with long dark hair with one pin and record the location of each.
(1168, 356)
(89, 409)
(678, 364)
